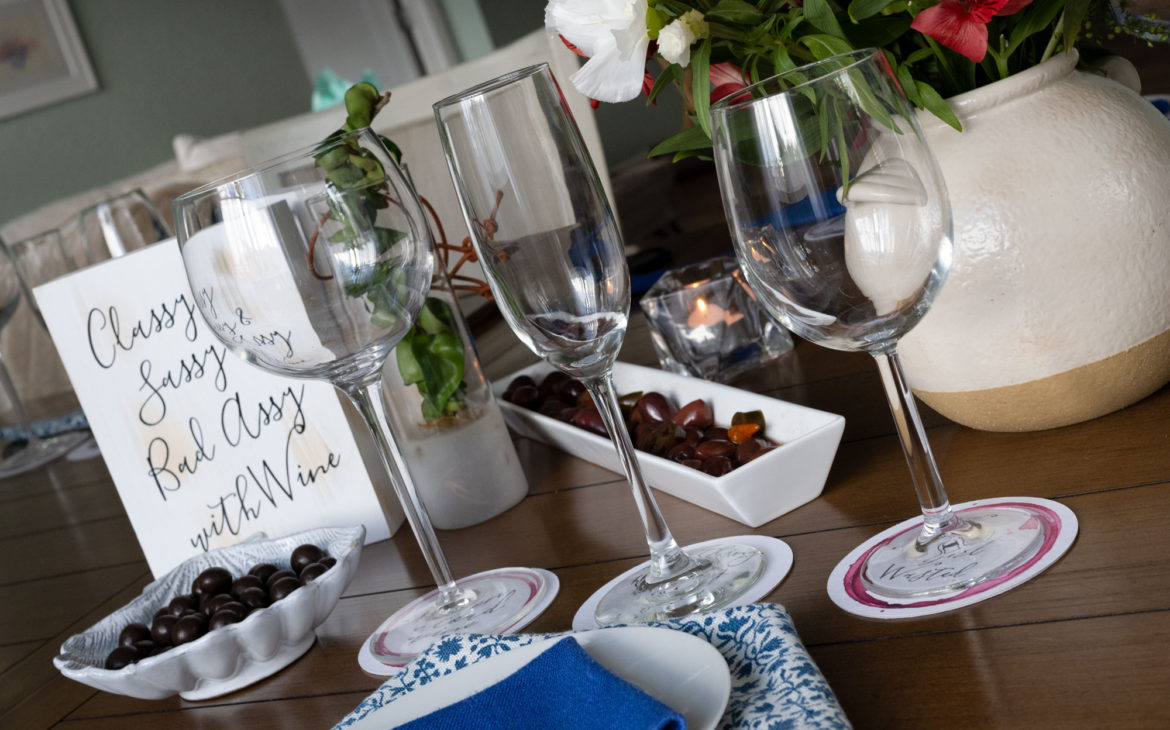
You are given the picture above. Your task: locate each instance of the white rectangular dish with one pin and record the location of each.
(761, 490)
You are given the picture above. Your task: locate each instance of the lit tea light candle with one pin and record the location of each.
(706, 315)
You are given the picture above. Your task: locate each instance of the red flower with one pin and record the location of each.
(961, 25)
(726, 79)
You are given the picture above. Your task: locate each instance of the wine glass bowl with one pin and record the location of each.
(554, 258)
(842, 226)
(116, 226)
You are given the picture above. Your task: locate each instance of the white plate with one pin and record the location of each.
(682, 671)
(757, 492)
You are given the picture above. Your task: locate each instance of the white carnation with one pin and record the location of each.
(674, 42)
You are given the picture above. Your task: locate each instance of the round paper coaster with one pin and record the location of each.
(847, 589)
(544, 587)
(778, 561)
(86, 451)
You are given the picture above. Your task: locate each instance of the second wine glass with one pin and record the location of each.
(314, 266)
(554, 258)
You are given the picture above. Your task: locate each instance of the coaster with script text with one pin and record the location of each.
(1059, 529)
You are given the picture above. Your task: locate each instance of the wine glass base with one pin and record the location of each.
(743, 569)
(40, 452)
(1007, 542)
(499, 601)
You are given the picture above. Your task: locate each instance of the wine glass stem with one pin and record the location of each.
(667, 559)
(368, 400)
(936, 508)
(17, 404)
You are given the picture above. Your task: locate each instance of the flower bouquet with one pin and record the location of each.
(711, 49)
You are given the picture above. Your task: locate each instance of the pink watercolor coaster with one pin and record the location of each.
(848, 591)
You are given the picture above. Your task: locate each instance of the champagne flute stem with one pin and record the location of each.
(368, 400)
(667, 559)
(936, 508)
(17, 404)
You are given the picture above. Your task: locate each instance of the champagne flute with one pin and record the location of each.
(842, 226)
(314, 266)
(37, 450)
(554, 258)
(118, 225)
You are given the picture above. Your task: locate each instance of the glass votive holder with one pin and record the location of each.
(704, 322)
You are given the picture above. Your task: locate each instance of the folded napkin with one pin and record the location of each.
(774, 682)
(563, 687)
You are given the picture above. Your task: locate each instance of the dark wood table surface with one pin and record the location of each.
(1085, 644)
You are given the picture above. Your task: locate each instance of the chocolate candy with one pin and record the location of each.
(312, 572)
(210, 604)
(133, 634)
(180, 605)
(123, 656)
(223, 618)
(282, 587)
(246, 581)
(280, 574)
(189, 628)
(263, 571)
(214, 581)
(162, 628)
(255, 598)
(328, 561)
(305, 555)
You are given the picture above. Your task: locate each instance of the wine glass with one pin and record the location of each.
(37, 449)
(842, 226)
(119, 225)
(314, 266)
(554, 258)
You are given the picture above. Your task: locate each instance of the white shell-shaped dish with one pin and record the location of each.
(761, 490)
(229, 657)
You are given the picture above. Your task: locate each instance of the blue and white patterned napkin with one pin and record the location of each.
(774, 682)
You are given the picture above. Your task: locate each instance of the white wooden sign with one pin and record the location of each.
(204, 448)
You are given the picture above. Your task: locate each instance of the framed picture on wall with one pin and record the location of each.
(42, 60)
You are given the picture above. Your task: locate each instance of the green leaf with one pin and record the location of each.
(820, 16)
(823, 46)
(908, 84)
(862, 9)
(879, 32)
(668, 76)
(701, 84)
(387, 237)
(685, 141)
(1075, 12)
(1035, 18)
(735, 11)
(362, 102)
(933, 102)
(655, 21)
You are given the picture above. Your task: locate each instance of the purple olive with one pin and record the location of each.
(590, 420)
(707, 449)
(652, 407)
(659, 439)
(526, 396)
(696, 414)
(681, 452)
(717, 466)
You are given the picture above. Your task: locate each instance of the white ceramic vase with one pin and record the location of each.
(1057, 308)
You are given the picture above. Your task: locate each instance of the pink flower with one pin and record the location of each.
(961, 25)
(726, 79)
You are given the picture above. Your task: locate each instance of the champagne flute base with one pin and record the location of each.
(739, 570)
(40, 452)
(499, 601)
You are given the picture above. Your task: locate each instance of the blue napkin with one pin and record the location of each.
(774, 682)
(561, 688)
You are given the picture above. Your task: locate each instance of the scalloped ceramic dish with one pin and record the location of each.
(777, 482)
(232, 656)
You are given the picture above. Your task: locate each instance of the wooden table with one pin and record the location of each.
(1083, 645)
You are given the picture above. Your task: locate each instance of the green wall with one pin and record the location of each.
(164, 67)
(628, 130)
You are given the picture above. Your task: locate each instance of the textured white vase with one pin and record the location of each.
(1057, 307)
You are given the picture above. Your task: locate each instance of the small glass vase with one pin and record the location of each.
(457, 448)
